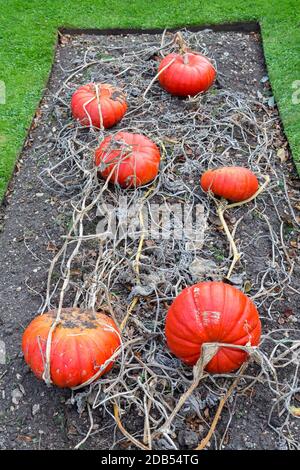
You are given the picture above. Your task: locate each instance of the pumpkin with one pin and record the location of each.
(81, 343)
(210, 312)
(234, 183)
(188, 74)
(128, 159)
(99, 105)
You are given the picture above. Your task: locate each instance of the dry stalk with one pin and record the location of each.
(99, 107)
(222, 207)
(207, 353)
(156, 77)
(217, 416)
(132, 306)
(139, 444)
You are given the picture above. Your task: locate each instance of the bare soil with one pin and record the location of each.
(37, 213)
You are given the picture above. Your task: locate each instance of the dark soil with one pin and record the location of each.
(34, 218)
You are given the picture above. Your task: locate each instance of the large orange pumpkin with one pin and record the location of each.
(211, 312)
(81, 344)
(187, 75)
(234, 183)
(98, 105)
(128, 159)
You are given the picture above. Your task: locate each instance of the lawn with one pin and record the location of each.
(28, 32)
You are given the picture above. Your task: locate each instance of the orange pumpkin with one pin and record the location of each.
(187, 75)
(211, 312)
(128, 159)
(81, 343)
(234, 183)
(98, 105)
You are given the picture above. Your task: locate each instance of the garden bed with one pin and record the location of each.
(236, 122)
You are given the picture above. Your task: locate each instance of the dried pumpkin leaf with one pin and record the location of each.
(281, 154)
(247, 287)
(295, 411)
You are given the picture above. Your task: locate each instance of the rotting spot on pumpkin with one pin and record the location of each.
(76, 318)
(117, 95)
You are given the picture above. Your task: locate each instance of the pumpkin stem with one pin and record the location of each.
(181, 43)
(185, 59)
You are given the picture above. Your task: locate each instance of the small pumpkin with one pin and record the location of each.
(234, 183)
(128, 159)
(188, 74)
(99, 105)
(81, 343)
(212, 312)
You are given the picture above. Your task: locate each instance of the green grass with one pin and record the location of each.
(28, 31)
